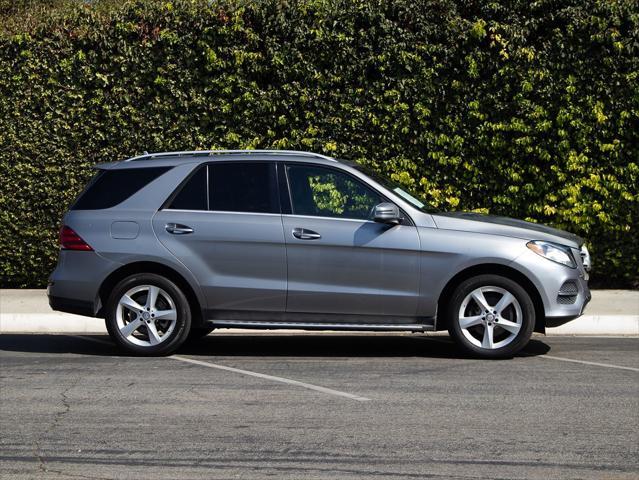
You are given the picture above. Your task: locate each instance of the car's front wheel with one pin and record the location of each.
(148, 314)
(490, 316)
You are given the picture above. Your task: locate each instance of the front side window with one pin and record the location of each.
(326, 192)
(243, 187)
(112, 187)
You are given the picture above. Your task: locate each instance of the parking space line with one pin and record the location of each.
(584, 362)
(273, 378)
(252, 374)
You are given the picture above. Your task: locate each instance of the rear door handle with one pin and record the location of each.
(304, 234)
(178, 229)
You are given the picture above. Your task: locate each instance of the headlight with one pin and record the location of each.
(585, 258)
(552, 252)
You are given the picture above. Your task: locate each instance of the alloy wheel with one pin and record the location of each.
(146, 315)
(490, 317)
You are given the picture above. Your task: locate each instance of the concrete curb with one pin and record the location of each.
(611, 312)
(65, 323)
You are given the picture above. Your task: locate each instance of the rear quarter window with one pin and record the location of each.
(193, 194)
(112, 187)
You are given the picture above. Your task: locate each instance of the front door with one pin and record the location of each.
(339, 260)
(225, 226)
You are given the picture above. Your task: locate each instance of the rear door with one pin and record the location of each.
(339, 260)
(224, 224)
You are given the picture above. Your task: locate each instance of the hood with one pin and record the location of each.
(509, 227)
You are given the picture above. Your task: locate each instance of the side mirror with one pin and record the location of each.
(387, 213)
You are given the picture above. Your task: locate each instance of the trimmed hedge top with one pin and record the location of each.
(519, 108)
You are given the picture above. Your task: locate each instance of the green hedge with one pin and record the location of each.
(521, 108)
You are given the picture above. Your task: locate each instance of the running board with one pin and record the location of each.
(374, 327)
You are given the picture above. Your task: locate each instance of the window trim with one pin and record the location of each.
(406, 219)
(284, 189)
(223, 212)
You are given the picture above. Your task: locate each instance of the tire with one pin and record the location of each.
(133, 319)
(199, 332)
(490, 316)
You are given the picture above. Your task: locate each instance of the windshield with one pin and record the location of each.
(411, 196)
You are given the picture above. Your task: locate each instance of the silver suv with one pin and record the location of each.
(169, 246)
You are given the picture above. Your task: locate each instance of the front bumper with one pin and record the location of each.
(552, 322)
(564, 291)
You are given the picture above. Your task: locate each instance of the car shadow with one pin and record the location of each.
(270, 345)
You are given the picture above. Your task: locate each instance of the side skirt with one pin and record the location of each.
(373, 327)
(311, 321)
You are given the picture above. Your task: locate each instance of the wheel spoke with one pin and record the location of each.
(506, 300)
(487, 341)
(152, 296)
(479, 298)
(166, 315)
(154, 336)
(128, 302)
(131, 327)
(512, 327)
(467, 322)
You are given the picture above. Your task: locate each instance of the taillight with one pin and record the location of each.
(69, 240)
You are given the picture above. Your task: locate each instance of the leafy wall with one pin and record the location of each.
(527, 109)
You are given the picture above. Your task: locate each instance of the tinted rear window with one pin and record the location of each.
(192, 195)
(112, 187)
(243, 187)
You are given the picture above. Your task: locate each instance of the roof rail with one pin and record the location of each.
(203, 153)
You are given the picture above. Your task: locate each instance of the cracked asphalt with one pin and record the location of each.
(413, 407)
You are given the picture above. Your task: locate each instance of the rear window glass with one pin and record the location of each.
(112, 187)
(192, 195)
(243, 187)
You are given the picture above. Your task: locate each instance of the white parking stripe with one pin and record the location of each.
(273, 378)
(551, 357)
(596, 364)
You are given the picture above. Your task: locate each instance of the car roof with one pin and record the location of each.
(163, 159)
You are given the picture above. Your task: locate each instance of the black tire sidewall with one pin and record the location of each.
(183, 325)
(527, 307)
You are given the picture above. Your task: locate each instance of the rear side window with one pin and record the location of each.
(243, 187)
(112, 187)
(193, 194)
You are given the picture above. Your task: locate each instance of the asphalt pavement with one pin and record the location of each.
(318, 406)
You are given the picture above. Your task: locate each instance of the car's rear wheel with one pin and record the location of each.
(490, 316)
(148, 314)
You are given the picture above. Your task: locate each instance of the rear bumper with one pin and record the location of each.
(75, 283)
(69, 305)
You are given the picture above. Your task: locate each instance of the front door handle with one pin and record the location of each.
(178, 229)
(304, 234)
